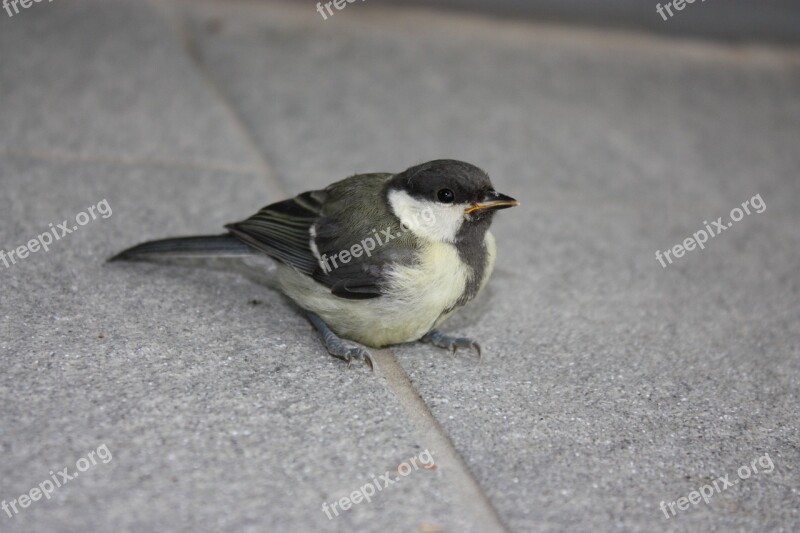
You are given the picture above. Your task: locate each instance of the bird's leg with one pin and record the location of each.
(440, 340)
(336, 346)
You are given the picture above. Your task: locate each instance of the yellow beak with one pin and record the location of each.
(493, 200)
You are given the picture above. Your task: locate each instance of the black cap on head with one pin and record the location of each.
(431, 181)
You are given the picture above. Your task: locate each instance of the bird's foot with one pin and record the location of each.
(336, 346)
(440, 340)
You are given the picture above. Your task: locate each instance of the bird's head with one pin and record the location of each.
(445, 200)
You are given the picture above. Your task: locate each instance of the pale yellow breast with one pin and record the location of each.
(420, 293)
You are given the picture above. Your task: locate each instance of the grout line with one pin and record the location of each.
(115, 159)
(426, 425)
(172, 16)
(472, 495)
(524, 31)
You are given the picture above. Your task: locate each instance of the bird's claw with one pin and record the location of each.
(336, 347)
(441, 340)
(463, 342)
(360, 354)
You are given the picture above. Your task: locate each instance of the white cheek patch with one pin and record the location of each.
(428, 220)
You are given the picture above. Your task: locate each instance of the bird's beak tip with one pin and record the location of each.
(493, 201)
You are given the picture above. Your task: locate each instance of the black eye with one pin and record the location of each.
(446, 196)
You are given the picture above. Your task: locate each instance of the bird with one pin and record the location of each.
(374, 259)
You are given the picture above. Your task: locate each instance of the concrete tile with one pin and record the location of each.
(108, 80)
(610, 384)
(217, 402)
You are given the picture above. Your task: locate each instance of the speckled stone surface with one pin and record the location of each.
(609, 384)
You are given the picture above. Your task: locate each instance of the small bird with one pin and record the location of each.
(376, 259)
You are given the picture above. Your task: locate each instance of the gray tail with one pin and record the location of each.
(199, 246)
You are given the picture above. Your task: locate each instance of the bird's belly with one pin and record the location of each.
(419, 296)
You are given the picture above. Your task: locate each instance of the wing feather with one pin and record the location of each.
(283, 230)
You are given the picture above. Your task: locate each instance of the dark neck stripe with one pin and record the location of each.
(471, 246)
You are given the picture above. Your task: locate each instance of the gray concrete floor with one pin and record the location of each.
(730, 20)
(609, 384)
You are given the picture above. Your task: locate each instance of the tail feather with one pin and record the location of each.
(198, 246)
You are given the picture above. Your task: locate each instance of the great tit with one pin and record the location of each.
(377, 259)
